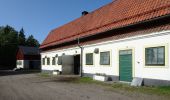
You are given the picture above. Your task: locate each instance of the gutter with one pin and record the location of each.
(81, 56)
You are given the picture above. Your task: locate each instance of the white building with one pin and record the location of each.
(123, 40)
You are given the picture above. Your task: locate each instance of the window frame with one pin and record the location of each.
(109, 58)
(54, 61)
(163, 56)
(43, 61)
(92, 58)
(19, 62)
(48, 61)
(59, 60)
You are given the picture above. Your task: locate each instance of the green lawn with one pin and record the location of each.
(44, 74)
(159, 90)
(116, 86)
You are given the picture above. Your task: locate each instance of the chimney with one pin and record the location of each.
(84, 13)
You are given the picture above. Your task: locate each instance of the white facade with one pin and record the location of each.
(137, 44)
(20, 64)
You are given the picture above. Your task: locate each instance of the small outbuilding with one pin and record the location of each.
(28, 57)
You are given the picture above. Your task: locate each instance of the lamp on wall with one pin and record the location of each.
(96, 50)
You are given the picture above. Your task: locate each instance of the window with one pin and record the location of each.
(48, 61)
(89, 59)
(43, 61)
(54, 61)
(105, 58)
(19, 62)
(155, 56)
(60, 60)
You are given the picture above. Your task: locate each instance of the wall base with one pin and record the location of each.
(155, 82)
(110, 77)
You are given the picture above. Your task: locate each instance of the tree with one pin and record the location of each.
(21, 37)
(10, 39)
(8, 46)
(8, 35)
(31, 41)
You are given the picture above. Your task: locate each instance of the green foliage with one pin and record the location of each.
(21, 37)
(31, 41)
(86, 80)
(10, 39)
(124, 87)
(8, 46)
(44, 74)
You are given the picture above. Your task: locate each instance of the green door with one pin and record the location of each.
(125, 65)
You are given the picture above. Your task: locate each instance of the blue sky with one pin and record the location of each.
(39, 17)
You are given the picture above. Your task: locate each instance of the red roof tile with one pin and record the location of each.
(117, 14)
(127, 34)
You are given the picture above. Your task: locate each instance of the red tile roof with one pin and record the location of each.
(119, 35)
(117, 14)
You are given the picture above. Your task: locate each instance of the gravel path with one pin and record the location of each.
(32, 87)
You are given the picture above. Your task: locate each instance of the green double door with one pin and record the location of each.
(125, 65)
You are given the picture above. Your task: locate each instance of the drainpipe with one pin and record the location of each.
(81, 57)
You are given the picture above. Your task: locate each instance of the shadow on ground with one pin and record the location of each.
(61, 78)
(11, 72)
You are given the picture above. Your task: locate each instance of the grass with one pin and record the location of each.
(116, 86)
(159, 90)
(44, 74)
(84, 80)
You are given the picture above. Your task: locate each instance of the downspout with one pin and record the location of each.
(81, 57)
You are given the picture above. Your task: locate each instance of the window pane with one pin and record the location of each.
(123, 52)
(60, 60)
(161, 55)
(53, 61)
(19, 62)
(89, 59)
(48, 61)
(155, 56)
(105, 58)
(43, 61)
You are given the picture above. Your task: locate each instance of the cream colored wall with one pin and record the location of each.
(137, 43)
(71, 51)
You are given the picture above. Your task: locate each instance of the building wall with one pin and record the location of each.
(20, 63)
(71, 51)
(25, 64)
(20, 55)
(137, 44)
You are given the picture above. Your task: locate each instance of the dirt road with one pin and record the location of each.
(33, 87)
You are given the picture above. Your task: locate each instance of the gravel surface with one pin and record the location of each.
(33, 87)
